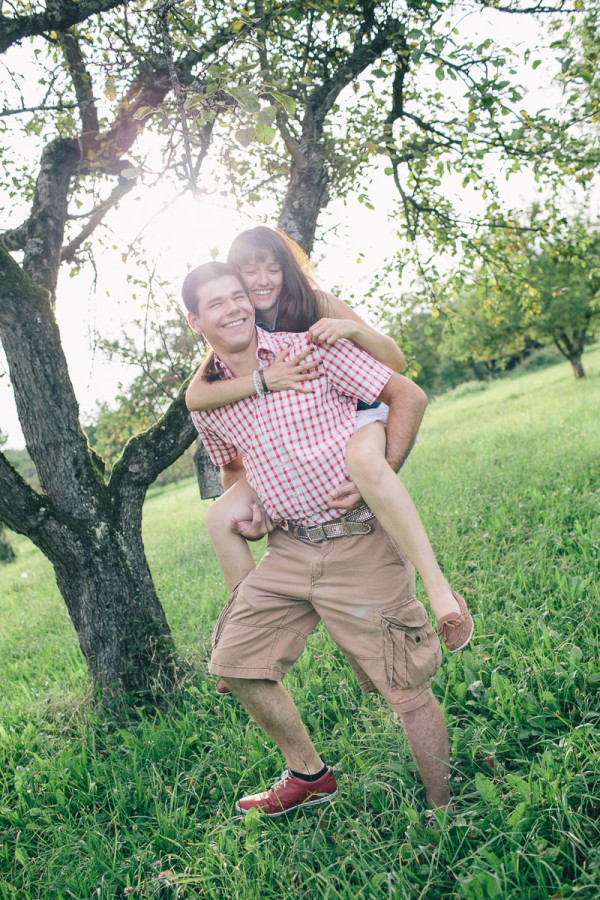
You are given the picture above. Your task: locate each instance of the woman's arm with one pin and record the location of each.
(341, 321)
(202, 394)
(284, 374)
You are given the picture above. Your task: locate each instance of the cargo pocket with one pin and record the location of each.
(222, 620)
(411, 647)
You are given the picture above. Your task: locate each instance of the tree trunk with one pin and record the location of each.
(305, 197)
(120, 624)
(572, 348)
(578, 370)
(7, 554)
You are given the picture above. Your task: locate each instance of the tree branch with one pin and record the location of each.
(27, 512)
(20, 111)
(96, 217)
(149, 453)
(15, 238)
(45, 226)
(291, 144)
(391, 36)
(559, 6)
(63, 14)
(82, 81)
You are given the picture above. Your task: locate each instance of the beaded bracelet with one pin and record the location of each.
(257, 383)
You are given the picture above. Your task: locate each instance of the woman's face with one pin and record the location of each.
(263, 280)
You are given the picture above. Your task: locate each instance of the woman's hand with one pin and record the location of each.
(328, 331)
(289, 374)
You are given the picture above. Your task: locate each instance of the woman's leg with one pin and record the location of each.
(383, 491)
(233, 553)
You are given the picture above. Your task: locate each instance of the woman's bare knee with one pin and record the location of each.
(365, 454)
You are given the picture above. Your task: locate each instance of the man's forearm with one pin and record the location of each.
(407, 404)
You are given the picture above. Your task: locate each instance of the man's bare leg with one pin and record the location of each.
(272, 708)
(428, 740)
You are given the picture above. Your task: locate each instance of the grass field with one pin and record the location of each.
(507, 478)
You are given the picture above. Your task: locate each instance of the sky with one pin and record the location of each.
(180, 232)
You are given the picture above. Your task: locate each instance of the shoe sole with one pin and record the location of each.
(284, 812)
(464, 643)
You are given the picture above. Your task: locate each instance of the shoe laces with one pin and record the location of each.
(285, 777)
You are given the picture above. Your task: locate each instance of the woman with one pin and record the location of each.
(275, 273)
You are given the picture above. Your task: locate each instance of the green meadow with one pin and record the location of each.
(141, 805)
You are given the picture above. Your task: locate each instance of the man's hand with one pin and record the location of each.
(345, 496)
(256, 528)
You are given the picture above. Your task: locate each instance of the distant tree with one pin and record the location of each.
(562, 293)
(544, 289)
(430, 361)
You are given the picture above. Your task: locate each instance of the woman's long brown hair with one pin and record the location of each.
(298, 306)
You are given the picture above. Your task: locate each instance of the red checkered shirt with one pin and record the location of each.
(294, 444)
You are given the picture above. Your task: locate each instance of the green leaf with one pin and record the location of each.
(110, 88)
(267, 115)
(487, 789)
(245, 136)
(288, 103)
(264, 133)
(536, 63)
(245, 98)
(439, 73)
(517, 814)
(142, 112)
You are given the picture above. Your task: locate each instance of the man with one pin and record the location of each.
(341, 569)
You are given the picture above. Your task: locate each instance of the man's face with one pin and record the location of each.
(225, 315)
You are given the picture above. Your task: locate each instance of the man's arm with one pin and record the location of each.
(407, 403)
(232, 472)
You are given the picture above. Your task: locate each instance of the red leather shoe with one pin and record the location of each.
(290, 793)
(456, 629)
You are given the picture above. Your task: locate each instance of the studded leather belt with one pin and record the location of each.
(355, 522)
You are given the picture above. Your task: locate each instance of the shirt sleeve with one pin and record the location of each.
(354, 372)
(220, 451)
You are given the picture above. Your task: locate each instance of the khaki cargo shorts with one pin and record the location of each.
(363, 590)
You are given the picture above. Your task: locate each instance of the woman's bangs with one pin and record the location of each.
(251, 247)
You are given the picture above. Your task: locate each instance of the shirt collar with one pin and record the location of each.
(267, 348)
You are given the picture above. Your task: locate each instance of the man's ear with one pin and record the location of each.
(194, 322)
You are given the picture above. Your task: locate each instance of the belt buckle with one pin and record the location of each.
(321, 531)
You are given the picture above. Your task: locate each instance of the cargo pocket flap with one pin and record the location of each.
(412, 615)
